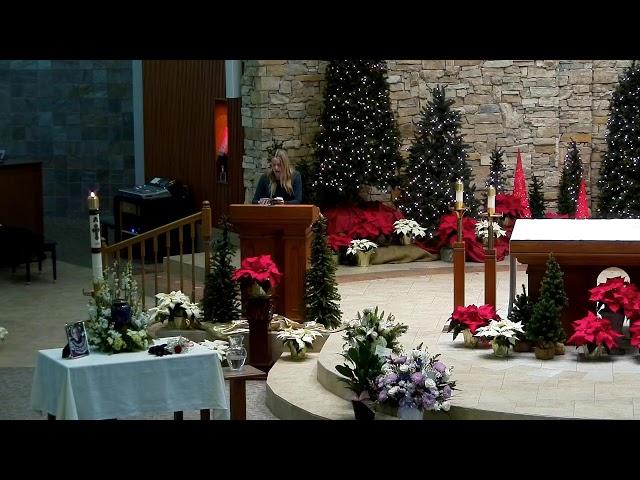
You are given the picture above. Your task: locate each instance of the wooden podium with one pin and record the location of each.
(284, 232)
(583, 249)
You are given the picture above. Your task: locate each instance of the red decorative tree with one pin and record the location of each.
(520, 188)
(582, 208)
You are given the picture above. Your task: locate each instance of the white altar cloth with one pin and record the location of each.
(564, 229)
(122, 385)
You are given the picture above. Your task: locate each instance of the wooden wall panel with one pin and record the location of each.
(179, 98)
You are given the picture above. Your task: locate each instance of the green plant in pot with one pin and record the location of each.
(362, 367)
(521, 313)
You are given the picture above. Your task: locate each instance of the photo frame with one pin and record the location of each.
(77, 340)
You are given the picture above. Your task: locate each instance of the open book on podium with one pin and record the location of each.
(284, 232)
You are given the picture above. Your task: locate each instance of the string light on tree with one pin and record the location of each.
(570, 180)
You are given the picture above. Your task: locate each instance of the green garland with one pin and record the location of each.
(101, 331)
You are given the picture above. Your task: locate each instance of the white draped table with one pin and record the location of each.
(121, 385)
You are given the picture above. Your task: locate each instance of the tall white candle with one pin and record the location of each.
(94, 234)
(491, 201)
(459, 195)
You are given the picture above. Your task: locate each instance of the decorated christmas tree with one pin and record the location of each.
(545, 326)
(358, 143)
(437, 158)
(619, 181)
(520, 187)
(582, 205)
(570, 180)
(321, 295)
(536, 199)
(220, 301)
(497, 171)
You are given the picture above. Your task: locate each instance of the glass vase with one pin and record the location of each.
(236, 354)
(406, 413)
(499, 349)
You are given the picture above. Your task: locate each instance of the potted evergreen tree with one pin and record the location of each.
(321, 296)
(220, 301)
(521, 312)
(545, 328)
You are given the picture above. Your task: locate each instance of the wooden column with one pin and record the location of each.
(490, 277)
(458, 274)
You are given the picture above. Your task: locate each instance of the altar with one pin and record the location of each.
(583, 249)
(102, 386)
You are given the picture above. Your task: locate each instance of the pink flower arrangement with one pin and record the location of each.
(594, 331)
(471, 317)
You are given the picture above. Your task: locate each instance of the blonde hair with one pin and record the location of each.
(285, 175)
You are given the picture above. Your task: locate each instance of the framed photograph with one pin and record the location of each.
(77, 338)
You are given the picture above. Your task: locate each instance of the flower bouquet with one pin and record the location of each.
(374, 330)
(257, 275)
(594, 334)
(298, 340)
(102, 331)
(3, 333)
(362, 249)
(502, 334)
(408, 230)
(468, 319)
(174, 305)
(415, 380)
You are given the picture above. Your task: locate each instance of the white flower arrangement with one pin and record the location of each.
(361, 245)
(172, 303)
(220, 347)
(300, 339)
(503, 332)
(411, 228)
(3, 333)
(101, 330)
(372, 328)
(482, 229)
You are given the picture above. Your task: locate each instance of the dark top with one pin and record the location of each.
(263, 189)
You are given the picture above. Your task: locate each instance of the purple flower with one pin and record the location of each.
(399, 360)
(390, 378)
(446, 392)
(428, 400)
(439, 367)
(382, 396)
(417, 378)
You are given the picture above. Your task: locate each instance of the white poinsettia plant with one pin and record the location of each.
(482, 229)
(3, 333)
(172, 303)
(300, 339)
(503, 332)
(411, 228)
(361, 245)
(220, 347)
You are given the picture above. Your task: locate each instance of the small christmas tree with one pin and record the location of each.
(497, 171)
(522, 309)
(321, 295)
(582, 205)
(545, 327)
(220, 301)
(437, 159)
(619, 181)
(570, 180)
(536, 199)
(520, 187)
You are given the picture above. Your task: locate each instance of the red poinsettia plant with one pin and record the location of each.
(618, 295)
(471, 317)
(634, 331)
(259, 273)
(593, 331)
(509, 205)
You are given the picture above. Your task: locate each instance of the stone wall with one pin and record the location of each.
(536, 106)
(76, 116)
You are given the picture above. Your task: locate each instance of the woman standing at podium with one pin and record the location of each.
(281, 182)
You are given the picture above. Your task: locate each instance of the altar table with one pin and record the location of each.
(121, 385)
(583, 249)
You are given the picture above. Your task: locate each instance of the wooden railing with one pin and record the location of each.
(138, 244)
